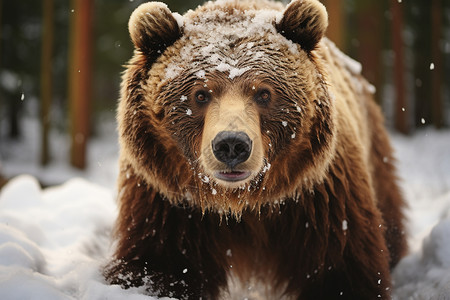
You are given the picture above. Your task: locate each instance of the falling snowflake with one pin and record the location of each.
(344, 225)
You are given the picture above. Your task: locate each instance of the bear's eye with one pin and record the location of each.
(201, 97)
(263, 97)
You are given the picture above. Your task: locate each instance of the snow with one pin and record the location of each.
(344, 225)
(208, 38)
(54, 241)
(346, 61)
(179, 18)
(426, 274)
(200, 74)
(235, 72)
(424, 166)
(22, 156)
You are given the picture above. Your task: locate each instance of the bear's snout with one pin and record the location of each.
(232, 147)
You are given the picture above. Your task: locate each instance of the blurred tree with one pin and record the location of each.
(400, 114)
(335, 31)
(80, 64)
(369, 33)
(419, 22)
(446, 62)
(182, 6)
(437, 63)
(60, 106)
(111, 50)
(21, 25)
(46, 77)
(1, 106)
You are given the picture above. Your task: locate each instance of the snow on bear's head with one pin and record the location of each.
(227, 106)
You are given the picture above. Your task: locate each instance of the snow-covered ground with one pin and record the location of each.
(54, 240)
(424, 166)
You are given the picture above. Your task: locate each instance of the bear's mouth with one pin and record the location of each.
(232, 176)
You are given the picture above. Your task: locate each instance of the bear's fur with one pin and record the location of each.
(254, 162)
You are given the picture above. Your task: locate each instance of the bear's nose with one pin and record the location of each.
(232, 147)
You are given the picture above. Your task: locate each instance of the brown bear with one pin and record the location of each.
(254, 162)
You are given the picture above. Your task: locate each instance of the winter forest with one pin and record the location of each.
(60, 70)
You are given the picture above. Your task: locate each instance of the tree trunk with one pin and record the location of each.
(14, 109)
(80, 79)
(437, 62)
(370, 35)
(335, 32)
(46, 77)
(1, 12)
(401, 107)
(420, 22)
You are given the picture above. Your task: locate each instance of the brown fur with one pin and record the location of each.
(320, 217)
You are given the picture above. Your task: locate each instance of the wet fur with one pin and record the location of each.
(285, 227)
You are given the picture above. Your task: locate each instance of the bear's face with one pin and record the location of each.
(234, 97)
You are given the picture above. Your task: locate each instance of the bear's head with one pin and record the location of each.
(227, 107)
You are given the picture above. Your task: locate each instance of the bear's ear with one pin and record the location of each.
(304, 22)
(153, 28)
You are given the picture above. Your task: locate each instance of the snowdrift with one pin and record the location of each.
(53, 241)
